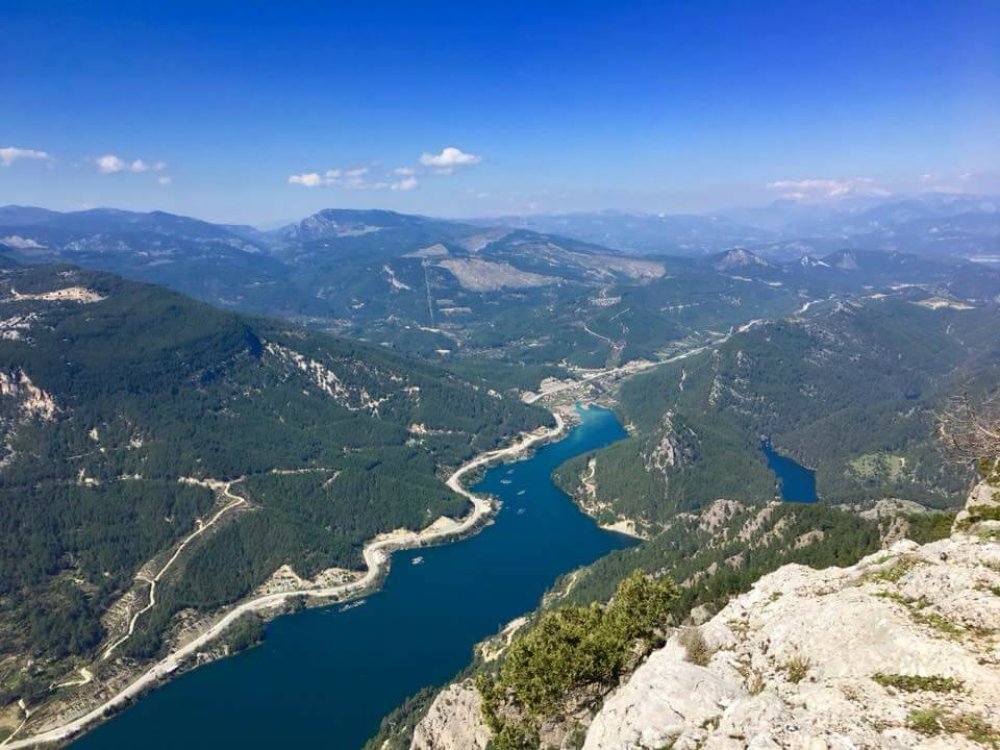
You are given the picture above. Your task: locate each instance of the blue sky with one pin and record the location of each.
(261, 111)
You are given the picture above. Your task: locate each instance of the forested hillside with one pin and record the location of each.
(852, 393)
(124, 407)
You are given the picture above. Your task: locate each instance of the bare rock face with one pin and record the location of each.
(899, 651)
(664, 697)
(453, 722)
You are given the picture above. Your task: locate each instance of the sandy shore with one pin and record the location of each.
(376, 556)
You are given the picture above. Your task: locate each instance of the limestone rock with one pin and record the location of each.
(666, 698)
(453, 722)
(807, 659)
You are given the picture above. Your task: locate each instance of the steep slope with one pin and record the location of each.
(850, 391)
(898, 651)
(145, 432)
(713, 555)
(895, 651)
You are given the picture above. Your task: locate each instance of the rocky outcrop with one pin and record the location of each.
(32, 400)
(899, 651)
(453, 722)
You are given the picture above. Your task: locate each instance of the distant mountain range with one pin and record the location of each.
(446, 289)
(940, 224)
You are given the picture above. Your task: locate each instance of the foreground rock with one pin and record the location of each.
(898, 651)
(454, 721)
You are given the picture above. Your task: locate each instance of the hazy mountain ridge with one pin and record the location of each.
(936, 224)
(441, 288)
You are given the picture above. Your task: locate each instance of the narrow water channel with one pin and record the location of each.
(325, 677)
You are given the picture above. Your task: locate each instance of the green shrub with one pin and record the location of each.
(515, 736)
(696, 650)
(929, 527)
(569, 647)
(926, 720)
(914, 683)
(797, 668)
(575, 647)
(932, 721)
(641, 606)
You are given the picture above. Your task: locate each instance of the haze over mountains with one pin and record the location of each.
(437, 287)
(940, 224)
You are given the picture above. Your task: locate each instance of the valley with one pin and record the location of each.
(198, 645)
(296, 452)
(500, 376)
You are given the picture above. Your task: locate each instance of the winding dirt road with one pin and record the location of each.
(235, 500)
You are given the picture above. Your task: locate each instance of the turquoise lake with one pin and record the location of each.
(324, 678)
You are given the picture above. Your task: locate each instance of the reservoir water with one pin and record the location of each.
(797, 483)
(324, 678)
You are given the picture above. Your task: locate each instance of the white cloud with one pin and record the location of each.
(405, 184)
(10, 154)
(159, 166)
(449, 158)
(969, 183)
(377, 177)
(355, 178)
(164, 179)
(308, 179)
(112, 164)
(109, 164)
(817, 189)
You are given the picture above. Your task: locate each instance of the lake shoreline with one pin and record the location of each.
(377, 555)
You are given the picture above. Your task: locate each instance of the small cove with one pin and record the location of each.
(796, 483)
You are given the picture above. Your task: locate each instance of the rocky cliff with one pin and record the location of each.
(898, 651)
(901, 650)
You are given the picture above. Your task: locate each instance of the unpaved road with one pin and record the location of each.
(234, 501)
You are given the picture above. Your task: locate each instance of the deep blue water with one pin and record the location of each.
(325, 678)
(797, 483)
